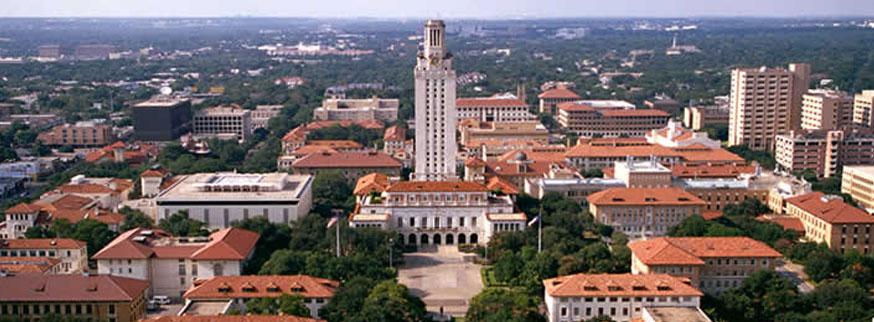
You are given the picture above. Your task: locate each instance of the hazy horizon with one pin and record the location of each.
(455, 9)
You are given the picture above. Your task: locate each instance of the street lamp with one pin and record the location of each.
(391, 243)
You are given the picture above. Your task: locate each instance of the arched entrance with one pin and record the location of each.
(437, 239)
(450, 239)
(462, 239)
(474, 239)
(423, 240)
(412, 239)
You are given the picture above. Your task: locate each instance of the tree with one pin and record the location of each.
(135, 219)
(822, 263)
(348, 300)
(95, 233)
(500, 305)
(39, 232)
(179, 224)
(285, 304)
(284, 262)
(273, 238)
(331, 191)
(392, 302)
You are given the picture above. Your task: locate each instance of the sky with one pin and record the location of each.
(445, 9)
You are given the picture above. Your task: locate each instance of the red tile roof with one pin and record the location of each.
(232, 318)
(41, 243)
(374, 182)
(20, 265)
(474, 162)
(607, 151)
(625, 285)
(23, 208)
(711, 171)
(225, 244)
(787, 222)
(370, 159)
(367, 124)
(558, 93)
(644, 196)
(634, 113)
(488, 101)
(261, 286)
(336, 144)
(498, 184)
(694, 250)
(395, 133)
(70, 288)
(704, 154)
(437, 186)
(832, 210)
(153, 173)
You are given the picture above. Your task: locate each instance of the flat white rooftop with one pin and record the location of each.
(607, 104)
(230, 186)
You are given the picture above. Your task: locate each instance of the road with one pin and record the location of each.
(795, 273)
(444, 278)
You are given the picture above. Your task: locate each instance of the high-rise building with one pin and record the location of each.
(436, 146)
(162, 118)
(863, 109)
(765, 102)
(826, 110)
(223, 122)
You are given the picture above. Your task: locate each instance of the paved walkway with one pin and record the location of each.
(443, 277)
(795, 273)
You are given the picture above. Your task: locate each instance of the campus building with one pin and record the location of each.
(223, 122)
(643, 212)
(712, 264)
(230, 293)
(374, 108)
(863, 109)
(765, 102)
(219, 199)
(72, 254)
(550, 99)
(496, 108)
(171, 264)
(823, 152)
(161, 118)
(699, 117)
(436, 114)
(609, 119)
(30, 297)
(80, 134)
(858, 182)
(828, 219)
(826, 110)
(621, 297)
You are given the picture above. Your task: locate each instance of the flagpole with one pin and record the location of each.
(540, 229)
(338, 237)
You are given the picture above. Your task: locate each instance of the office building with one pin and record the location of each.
(232, 292)
(609, 119)
(223, 122)
(828, 219)
(161, 118)
(344, 109)
(863, 109)
(480, 131)
(621, 297)
(498, 108)
(262, 114)
(712, 264)
(436, 114)
(643, 212)
(550, 99)
(218, 199)
(171, 264)
(30, 297)
(858, 182)
(699, 117)
(823, 152)
(72, 254)
(80, 134)
(765, 102)
(826, 110)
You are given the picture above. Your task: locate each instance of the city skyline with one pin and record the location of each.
(448, 9)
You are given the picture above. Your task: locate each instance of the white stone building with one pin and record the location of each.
(498, 108)
(172, 264)
(436, 146)
(622, 297)
(430, 212)
(72, 253)
(219, 199)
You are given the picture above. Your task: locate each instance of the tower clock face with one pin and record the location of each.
(434, 60)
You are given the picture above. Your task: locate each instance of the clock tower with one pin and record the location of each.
(436, 147)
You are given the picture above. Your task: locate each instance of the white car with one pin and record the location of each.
(161, 300)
